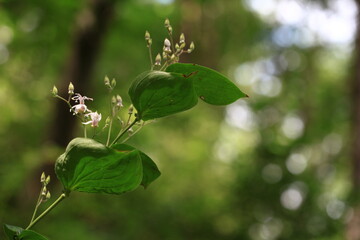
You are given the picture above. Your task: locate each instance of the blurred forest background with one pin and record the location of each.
(283, 164)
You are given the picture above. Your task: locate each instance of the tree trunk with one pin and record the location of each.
(353, 229)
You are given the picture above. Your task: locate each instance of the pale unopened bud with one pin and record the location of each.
(107, 82)
(113, 100)
(149, 41)
(54, 91)
(182, 38)
(119, 101)
(167, 42)
(167, 45)
(170, 29)
(147, 35)
(47, 181)
(177, 47)
(43, 177)
(164, 55)
(71, 89)
(44, 191)
(158, 60)
(167, 23)
(48, 196)
(192, 47)
(113, 83)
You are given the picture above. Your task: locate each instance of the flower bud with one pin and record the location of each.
(113, 83)
(147, 35)
(177, 47)
(182, 38)
(113, 100)
(192, 47)
(44, 191)
(107, 81)
(167, 23)
(43, 177)
(170, 29)
(164, 56)
(47, 181)
(119, 101)
(158, 60)
(167, 43)
(54, 91)
(71, 89)
(48, 196)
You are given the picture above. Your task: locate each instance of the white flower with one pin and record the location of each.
(80, 107)
(95, 119)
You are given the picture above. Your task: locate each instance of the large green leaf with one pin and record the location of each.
(12, 232)
(89, 166)
(211, 86)
(31, 235)
(158, 94)
(150, 170)
(17, 233)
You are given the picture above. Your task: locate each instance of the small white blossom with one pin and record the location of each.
(80, 107)
(95, 119)
(167, 45)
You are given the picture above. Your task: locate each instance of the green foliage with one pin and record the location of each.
(210, 85)
(17, 233)
(89, 166)
(150, 170)
(158, 94)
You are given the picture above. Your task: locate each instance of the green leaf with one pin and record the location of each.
(211, 86)
(158, 94)
(12, 232)
(31, 235)
(89, 166)
(150, 170)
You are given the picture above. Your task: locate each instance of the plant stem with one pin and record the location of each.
(57, 201)
(85, 135)
(151, 60)
(109, 132)
(36, 207)
(123, 132)
(137, 130)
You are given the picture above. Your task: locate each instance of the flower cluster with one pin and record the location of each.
(171, 51)
(80, 109)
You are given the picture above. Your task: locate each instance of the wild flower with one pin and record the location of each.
(95, 119)
(80, 107)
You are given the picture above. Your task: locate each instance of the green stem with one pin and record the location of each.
(151, 60)
(123, 132)
(109, 133)
(85, 135)
(137, 130)
(36, 207)
(57, 201)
